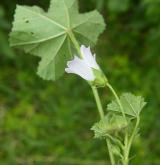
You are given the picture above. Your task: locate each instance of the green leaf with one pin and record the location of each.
(47, 34)
(110, 124)
(132, 104)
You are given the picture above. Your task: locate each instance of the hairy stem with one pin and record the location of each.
(133, 133)
(101, 113)
(127, 143)
(117, 99)
(125, 159)
(75, 43)
(130, 141)
(110, 152)
(95, 93)
(98, 101)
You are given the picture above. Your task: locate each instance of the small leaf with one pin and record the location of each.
(132, 104)
(110, 124)
(46, 34)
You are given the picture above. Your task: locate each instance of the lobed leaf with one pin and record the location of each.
(132, 104)
(46, 34)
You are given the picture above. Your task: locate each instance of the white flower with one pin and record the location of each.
(89, 59)
(83, 66)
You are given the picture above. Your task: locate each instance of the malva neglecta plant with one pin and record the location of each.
(62, 37)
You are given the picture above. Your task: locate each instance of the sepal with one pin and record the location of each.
(100, 78)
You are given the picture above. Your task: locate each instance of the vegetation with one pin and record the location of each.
(46, 123)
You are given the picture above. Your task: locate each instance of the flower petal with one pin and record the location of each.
(88, 57)
(79, 67)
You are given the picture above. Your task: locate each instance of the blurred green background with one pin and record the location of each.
(43, 123)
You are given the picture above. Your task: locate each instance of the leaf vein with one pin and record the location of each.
(45, 17)
(38, 41)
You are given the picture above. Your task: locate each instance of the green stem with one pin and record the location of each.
(127, 142)
(126, 161)
(98, 101)
(110, 153)
(117, 99)
(134, 133)
(95, 93)
(94, 89)
(101, 113)
(126, 149)
(75, 43)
